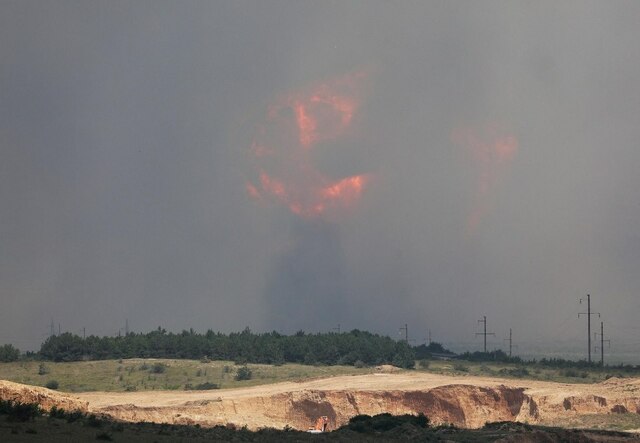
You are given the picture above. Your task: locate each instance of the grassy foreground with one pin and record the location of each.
(382, 427)
(159, 374)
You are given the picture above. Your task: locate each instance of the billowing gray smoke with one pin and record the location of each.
(425, 163)
(307, 286)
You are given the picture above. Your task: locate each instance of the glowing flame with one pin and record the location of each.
(281, 150)
(492, 150)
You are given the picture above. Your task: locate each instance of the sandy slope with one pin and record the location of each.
(464, 401)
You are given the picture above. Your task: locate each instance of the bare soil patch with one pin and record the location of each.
(465, 401)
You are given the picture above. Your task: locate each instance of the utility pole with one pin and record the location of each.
(588, 314)
(406, 333)
(126, 327)
(427, 338)
(510, 341)
(485, 333)
(602, 340)
(337, 329)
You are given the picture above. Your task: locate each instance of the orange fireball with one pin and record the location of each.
(295, 125)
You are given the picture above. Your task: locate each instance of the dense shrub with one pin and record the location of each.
(201, 387)
(52, 384)
(8, 353)
(243, 373)
(158, 368)
(385, 422)
(17, 411)
(460, 367)
(515, 372)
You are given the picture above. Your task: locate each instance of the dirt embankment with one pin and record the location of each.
(468, 402)
(463, 401)
(46, 398)
(462, 405)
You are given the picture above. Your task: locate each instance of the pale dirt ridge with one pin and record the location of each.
(46, 398)
(463, 401)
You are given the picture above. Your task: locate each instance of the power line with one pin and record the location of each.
(602, 340)
(406, 332)
(588, 314)
(510, 340)
(485, 333)
(427, 339)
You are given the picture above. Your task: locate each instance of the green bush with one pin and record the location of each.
(385, 422)
(56, 412)
(52, 384)
(158, 368)
(74, 416)
(43, 369)
(460, 367)
(515, 372)
(201, 387)
(243, 373)
(8, 353)
(21, 412)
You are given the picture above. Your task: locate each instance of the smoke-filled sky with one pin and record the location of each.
(289, 165)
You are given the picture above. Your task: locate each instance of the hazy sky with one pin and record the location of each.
(497, 143)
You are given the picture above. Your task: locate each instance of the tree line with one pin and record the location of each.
(349, 348)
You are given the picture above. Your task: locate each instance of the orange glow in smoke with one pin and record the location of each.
(346, 189)
(282, 148)
(492, 150)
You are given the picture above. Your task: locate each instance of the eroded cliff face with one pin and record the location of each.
(464, 406)
(461, 405)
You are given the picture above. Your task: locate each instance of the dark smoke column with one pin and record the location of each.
(307, 287)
